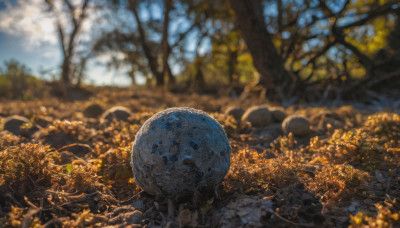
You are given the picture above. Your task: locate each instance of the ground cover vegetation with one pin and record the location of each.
(74, 171)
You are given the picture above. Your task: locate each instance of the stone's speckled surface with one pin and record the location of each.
(13, 124)
(178, 150)
(298, 125)
(116, 113)
(236, 112)
(257, 116)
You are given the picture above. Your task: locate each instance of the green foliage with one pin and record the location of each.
(17, 83)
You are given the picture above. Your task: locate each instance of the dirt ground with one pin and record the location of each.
(64, 169)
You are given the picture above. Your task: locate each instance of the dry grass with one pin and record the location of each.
(345, 173)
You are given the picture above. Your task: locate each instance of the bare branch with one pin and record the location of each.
(61, 36)
(384, 9)
(71, 9)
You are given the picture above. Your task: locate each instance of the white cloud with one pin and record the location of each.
(28, 19)
(108, 56)
(100, 75)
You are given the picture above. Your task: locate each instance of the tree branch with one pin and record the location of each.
(386, 8)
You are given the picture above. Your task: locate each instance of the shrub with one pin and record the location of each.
(17, 83)
(27, 164)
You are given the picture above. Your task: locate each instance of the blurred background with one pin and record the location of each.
(286, 50)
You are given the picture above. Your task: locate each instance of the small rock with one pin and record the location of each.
(13, 124)
(257, 116)
(77, 149)
(326, 120)
(93, 111)
(277, 115)
(298, 125)
(236, 112)
(138, 204)
(116, 113)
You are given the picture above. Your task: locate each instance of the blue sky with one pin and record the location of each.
(27, 35)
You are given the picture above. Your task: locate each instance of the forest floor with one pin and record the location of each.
(67, 170)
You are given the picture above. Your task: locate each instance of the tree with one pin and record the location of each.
(267, 61)
(68, 38)
(321, 42)
(297, 44)
(134, 39)
(152, 60)
(166, 70)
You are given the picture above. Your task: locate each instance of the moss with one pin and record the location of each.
(27, 163)
(368, 146)
(335, 182)
(253, 171)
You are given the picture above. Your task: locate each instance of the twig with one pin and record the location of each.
(27, 220)
(288, 221)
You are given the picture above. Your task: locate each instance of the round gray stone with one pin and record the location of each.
(298, 125)
(116, 113)
(93, 111)
(236, 112)
(178, 150)
(257, 116)
(13, 124)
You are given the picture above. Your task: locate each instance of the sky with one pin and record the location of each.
(27, 34)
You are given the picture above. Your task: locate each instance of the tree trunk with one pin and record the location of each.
(394, 37)
(171, 78)
(166, 70)
(250, 21)
(68, 42)
(81, 71)
(66, 70)
(198, 76)
(146, 49)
